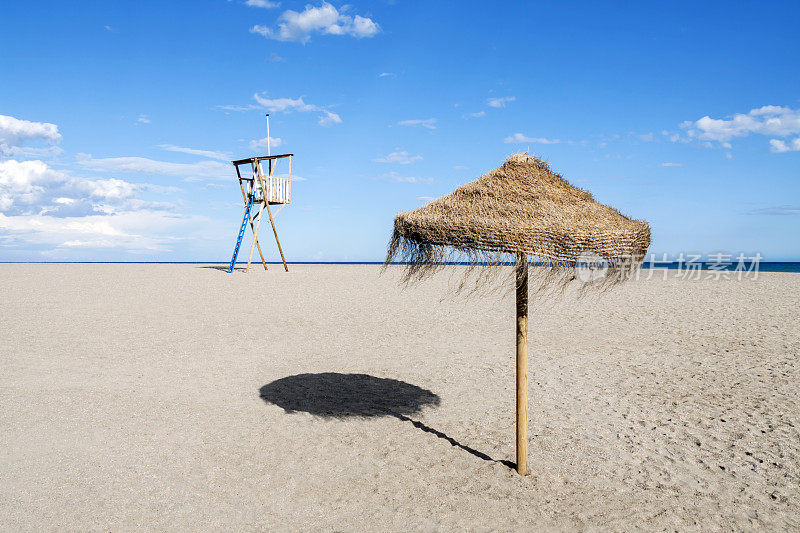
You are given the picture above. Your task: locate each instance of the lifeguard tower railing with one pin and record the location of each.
(276, 189)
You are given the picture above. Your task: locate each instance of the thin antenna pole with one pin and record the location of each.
(268, 152)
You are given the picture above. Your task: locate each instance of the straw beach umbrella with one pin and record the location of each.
(522, 212)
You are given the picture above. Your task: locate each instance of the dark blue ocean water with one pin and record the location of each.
(763, 266)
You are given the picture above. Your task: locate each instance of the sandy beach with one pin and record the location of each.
(180, 397)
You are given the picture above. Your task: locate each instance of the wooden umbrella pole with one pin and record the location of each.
(522, 364)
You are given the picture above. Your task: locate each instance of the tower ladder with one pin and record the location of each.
(245, 220)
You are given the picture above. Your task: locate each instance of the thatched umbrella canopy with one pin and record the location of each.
(521, 211)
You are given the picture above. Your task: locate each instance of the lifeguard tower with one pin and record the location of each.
(262, 190)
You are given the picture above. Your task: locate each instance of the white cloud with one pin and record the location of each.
(33, 188)
(25, 180)
(475, 115)
(325, 19)
(46, 211)
(387, 75)
(779, 210)
(275, 58)
(15, 132)
(775, 121)
(400, 157)
(238, 108)
(459, 167)
(143, 119)
(671, 165)
(97, 225)
(777, 146)
(104, 243)
(109, 189)
(287, 105)
(500, 102)
(363, 27)
(261, 144)
(261, 30)
(210, 154)
(266, 4)
(27, 152)
(647, 137)
(143, 165)
(519, 138)
(429, 123)
(425, 198)
(275, 105)
(135, 231)
(327, 118)
(397, 178)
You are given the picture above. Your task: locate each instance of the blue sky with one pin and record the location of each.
(118, 120)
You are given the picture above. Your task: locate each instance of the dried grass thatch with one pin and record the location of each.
(521, 209)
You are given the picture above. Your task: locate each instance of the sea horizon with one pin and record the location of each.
(763, 266)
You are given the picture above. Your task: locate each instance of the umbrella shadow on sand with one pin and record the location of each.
(335, 395)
